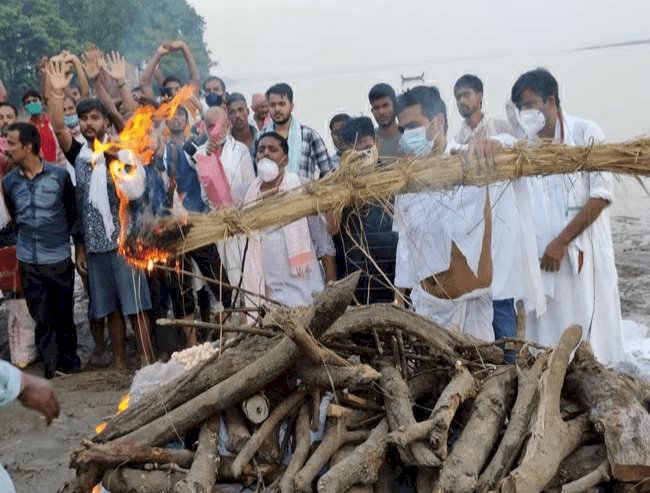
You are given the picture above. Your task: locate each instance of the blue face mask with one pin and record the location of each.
(213, 99)
(71, 121)
(34, 108)
(414, 141)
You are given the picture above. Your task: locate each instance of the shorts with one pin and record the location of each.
(115, 285)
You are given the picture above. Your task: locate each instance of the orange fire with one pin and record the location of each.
(96, 489)
(121, 407)
(136, 138)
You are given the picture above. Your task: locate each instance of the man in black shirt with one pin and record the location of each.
(367, 237)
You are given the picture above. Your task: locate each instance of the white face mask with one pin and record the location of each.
(532, 121)
(267, 170)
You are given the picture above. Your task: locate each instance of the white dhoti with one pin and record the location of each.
(469, 314)
(231, 251)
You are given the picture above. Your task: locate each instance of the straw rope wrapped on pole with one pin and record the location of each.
(355, 183)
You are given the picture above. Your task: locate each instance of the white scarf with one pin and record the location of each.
(98, 190)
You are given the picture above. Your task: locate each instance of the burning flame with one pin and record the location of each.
(124, 404)
(121, 407)
(96, 489)
(136, 138)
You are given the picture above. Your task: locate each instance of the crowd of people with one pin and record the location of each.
(461, 256)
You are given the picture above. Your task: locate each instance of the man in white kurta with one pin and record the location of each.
(517, 275)
(443, 251)
(572, 229)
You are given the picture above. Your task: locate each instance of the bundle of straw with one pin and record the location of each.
(354, 184)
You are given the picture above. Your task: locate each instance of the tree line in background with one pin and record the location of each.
(32, 29)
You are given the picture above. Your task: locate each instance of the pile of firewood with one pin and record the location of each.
(406, 404)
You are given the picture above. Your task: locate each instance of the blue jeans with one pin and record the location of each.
(504, 322)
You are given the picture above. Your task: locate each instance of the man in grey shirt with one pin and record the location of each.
(382, 100)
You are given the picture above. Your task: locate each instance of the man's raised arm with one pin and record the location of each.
(58, 81)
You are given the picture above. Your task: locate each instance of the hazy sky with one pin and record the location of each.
(332, 51)
(287, 37)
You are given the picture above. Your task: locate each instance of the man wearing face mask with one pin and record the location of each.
(214, 92)
(282, 263)
(516, 268)
(572, 228)
(443, 252)
(38, 117)
(233, 160)
(368, 240)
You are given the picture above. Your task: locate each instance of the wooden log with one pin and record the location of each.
(336, 436)
(552, 439)
(361, 466)
(266, 429)
(462, 386)
(339, 456)
(107, 456)
(269, 451)
(471, 451)
(301, 451)
(616, 412)
(128, 480)
(238, 434)
(399, 413)
(517, 431)
(125, 480)
(578, 464)
(337, 377)
(446, 345)
(203, 473)
(599, 475)
(189, 385)
(327, 307)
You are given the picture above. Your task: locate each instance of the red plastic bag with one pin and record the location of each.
(9, 274)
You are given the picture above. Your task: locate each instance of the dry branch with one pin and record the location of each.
(238, 434)
(400, 415)
(449, 346)
(462, 386)
(105, 455)
(337, 377)
(472, 449)
(203, 473)
(361, 466)
(336, 435)
(517, 432)
(599, 475)
(300, 453)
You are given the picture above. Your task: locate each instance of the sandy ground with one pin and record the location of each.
(36, 456)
